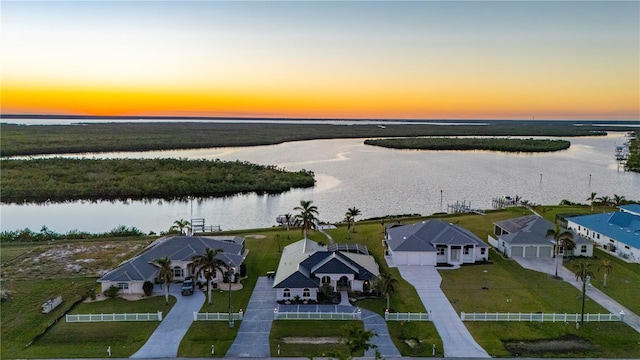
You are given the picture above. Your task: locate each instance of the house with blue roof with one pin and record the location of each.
(306, 266)
(131, 275)
(618, 232)
(433, 242)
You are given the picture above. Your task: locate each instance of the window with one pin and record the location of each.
(482, 251)
(177, 271)
(441, 251)
(598, 236)
(123, 286)
(466, 251)
(326, 280)
(306, 293)
(626, 247)
(583, 248)
(286, 293)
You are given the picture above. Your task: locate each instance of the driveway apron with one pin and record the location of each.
(547, 266)
(164, 342)
(253, 336)
(456, 339)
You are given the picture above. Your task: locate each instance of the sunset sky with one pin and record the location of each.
(327, 59)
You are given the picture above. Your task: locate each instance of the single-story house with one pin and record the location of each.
(618, 232)
(131, 275)
(526, 236)
(306, 266)
(433, 242)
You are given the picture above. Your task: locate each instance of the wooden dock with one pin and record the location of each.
(463, 207)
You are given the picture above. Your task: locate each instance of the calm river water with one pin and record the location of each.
(377, 181)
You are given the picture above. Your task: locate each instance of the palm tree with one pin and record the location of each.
(180, 225)
(604, 200)
(352, 213)
(619, 200)
(583, 273)
(606, 268)
(288, 218)
(348, 219)
(592, 199)
(165, 274)
(207, 265)
(385, 284)
(307, 216)
(561, 239)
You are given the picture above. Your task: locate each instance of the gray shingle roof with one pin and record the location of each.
(533, 223)
(425, 235)
(178, 248)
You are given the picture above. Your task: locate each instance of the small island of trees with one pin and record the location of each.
(491, 144)
(60, 179)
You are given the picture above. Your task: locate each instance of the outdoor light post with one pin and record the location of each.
(229, 279)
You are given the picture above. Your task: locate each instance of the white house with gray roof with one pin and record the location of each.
(306, 266)
(526, 236)
(433, 242)
(131, 275)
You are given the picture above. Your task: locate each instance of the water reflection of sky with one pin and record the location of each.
(376, 180)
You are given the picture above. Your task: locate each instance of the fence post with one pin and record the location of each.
(386, 314)
(159, 315)
(240, 314)
(462, 315)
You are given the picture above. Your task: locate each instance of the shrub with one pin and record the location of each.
(147, 287)
(112, 291)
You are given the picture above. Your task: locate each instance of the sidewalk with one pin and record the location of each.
(456, 339)
(547, 266)
(164, 342)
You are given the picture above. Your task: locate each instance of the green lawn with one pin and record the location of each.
(283, 329)
(89, 340)
(22, 320)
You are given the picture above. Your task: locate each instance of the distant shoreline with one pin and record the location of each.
(301, 119)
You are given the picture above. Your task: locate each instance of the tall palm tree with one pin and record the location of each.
(592, 199)
(561, 239)
(619, 200)
(181, 225)
(352, 213)
(385, 284)
(165, 274)
(207, 265)
(307, 216)
(583, 273)
(606, 268)
(604, 200)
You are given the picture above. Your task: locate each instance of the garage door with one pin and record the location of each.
(545, 252)
(414, 259)
(516, 251)
(400, 259)
(531, 251)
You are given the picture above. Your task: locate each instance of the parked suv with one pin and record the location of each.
(188, 286)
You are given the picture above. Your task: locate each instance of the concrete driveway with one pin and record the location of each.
(164, 342)
(456, 339)
(547, 266)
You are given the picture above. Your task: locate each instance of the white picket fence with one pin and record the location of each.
(316, 315)
(219, 316)
(406, 316)
(73, 318)
(540, 317)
